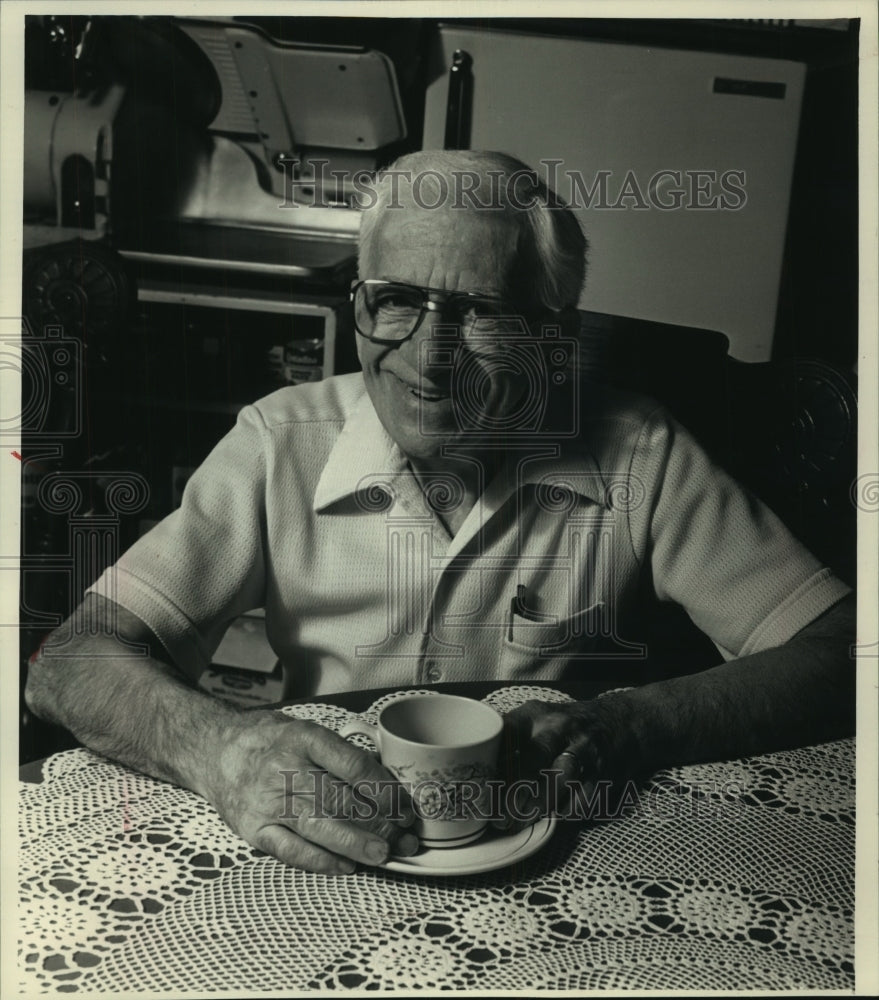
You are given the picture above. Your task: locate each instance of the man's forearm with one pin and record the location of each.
(798, 693)
(134, 709)
(270, 778)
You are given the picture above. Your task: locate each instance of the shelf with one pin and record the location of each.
(238, 249)
(268, 301)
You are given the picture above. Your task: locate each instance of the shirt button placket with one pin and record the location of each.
(433, 672)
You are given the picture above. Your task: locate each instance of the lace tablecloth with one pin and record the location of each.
(725, 876)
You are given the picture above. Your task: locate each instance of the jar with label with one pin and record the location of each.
(303, 360)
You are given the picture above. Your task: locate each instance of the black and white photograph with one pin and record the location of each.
(439, 498)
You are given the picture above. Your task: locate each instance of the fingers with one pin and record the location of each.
(569, 765)
(549, 749)
(354, 842)
(553, 732)
(522, 756)
(296, 851)
(350, 805)
(579, 758)
(320, 827)
(535, 735)
(545, 731)
(363, 772)
(301, 793)
(577, 765)
(355, 821)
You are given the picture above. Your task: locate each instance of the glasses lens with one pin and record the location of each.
(488, 325)
(386, 311)
(488, 316)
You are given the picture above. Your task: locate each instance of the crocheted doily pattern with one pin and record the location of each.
(725, 876)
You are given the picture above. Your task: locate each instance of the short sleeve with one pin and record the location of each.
(718, 551)
(204, 564)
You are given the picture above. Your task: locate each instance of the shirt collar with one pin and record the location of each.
(364, 453)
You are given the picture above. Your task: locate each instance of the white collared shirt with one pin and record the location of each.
(308, 509)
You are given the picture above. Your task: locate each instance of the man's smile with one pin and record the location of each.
(421, 389)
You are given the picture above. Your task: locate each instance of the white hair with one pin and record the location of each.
(552, 247)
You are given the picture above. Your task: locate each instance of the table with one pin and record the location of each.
(736, 875)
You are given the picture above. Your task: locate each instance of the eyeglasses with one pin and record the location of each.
(389, 312)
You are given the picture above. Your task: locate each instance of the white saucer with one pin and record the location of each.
(493, 850)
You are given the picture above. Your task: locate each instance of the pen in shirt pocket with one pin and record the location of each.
(519, 608)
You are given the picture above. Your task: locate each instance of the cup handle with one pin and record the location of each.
(362, 728)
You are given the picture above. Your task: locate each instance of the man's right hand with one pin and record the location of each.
(287, 786)
(303, 794)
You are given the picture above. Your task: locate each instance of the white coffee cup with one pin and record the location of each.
(443, 749)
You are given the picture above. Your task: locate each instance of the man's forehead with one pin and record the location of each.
(448, 215)
(456, 230)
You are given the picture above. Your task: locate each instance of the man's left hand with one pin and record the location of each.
(549, 746)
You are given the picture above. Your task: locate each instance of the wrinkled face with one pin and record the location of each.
(411, 387)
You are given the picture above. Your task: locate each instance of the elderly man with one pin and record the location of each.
(454, 512)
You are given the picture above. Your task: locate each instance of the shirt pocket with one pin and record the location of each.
(558, 636)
